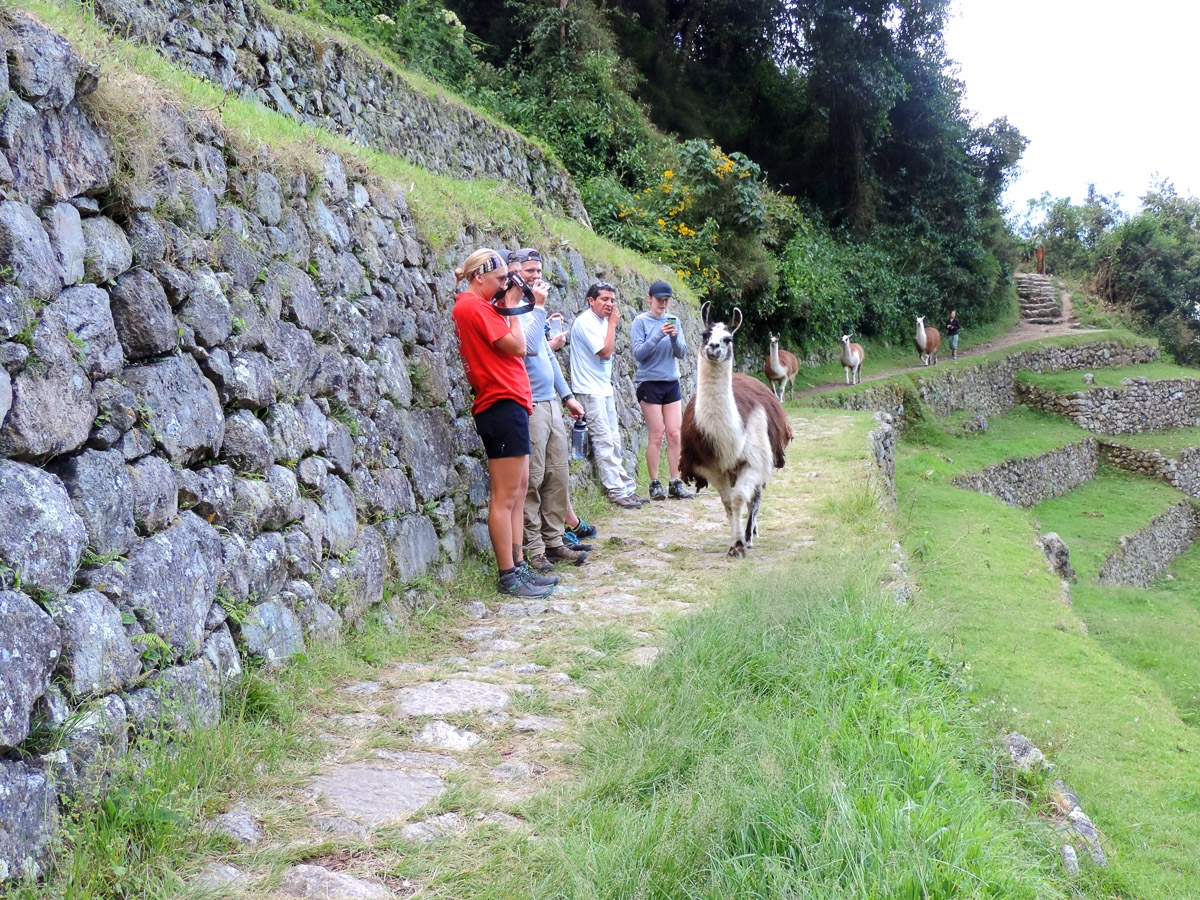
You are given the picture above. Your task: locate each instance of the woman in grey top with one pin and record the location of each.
(658, 344)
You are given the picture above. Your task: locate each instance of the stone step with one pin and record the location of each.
(1044, 320)
(1033, 309)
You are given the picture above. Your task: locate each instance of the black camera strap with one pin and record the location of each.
(514, 310)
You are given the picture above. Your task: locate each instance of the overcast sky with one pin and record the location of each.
(1106, 92)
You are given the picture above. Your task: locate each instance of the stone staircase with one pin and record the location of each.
(1038, 298)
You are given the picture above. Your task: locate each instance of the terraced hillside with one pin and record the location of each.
(1099, 667)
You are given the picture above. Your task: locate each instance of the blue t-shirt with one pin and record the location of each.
(655, 353)
(545, 375)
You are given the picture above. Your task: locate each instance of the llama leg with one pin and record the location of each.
(752, 519)
(737, 546)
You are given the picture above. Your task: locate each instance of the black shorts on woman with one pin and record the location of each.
(659, 393)
(504, 429)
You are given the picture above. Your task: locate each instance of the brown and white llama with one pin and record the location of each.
(781, 368)
(927, 340)
(734, 432)
(852, 357)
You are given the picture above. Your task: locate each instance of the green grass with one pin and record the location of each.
(941, 450)
(1095, 515)
(1168, 441)
(799, 739)
(1107, 721)
(1070, 382)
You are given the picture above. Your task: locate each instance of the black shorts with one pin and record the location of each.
(504, 429)
(659, 393)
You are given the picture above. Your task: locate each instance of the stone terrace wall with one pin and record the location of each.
(231, 408)
(1140, 405)
(341, 88)
(990, 388)
(1181, 471)
(1142, 557)
(1026, 482)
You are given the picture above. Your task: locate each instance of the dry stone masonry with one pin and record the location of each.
(335, 85)
(1142, 557)
(1038, 298)
(1181, 471)
(1026, 482)
(231, 407)
(1139, 405)
(990, 388)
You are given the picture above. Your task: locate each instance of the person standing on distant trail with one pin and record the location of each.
(487, 321)
(593, 339)
(952, 328)
(658, 345)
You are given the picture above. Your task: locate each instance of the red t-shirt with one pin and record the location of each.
(494, 374)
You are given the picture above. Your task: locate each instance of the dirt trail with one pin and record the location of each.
(1022, 332)
(436, 756)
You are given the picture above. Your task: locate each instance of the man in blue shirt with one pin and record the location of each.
(548, 501)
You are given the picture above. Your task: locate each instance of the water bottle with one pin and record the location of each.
(579, 439)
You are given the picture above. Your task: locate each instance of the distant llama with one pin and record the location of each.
(781, 368)
(852, 357)
(927, 340)
(734, 432)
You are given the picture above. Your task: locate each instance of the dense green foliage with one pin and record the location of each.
(810, 162)
(1146, 265)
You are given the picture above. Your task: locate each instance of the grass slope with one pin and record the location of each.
(1109, 727)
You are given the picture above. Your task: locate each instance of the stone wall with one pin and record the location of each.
(1181, 471)
(1140, 405)
(1142, 557)
(1026, 482)
(990, 388)
(231, 408)
(340, 87)
(883, 452)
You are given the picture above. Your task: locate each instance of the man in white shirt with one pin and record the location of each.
(593, 338)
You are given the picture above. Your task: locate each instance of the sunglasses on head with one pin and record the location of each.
(597, 287)
(524, 255)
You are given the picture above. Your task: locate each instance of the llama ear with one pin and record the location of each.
(737, 320)
(704, 311)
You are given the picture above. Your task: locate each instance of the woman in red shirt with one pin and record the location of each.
(493, 346)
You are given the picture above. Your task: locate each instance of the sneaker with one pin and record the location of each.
(564, 554)
(656, 490)
(574, 543)
(679, 492)
(541, 563)
(514, 584)
(582, 531)
(528, 573)
(631, 502)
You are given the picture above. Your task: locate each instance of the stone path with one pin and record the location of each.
(455, 743)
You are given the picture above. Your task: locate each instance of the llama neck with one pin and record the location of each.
(716, 411)
(776, 366)
(921, 335)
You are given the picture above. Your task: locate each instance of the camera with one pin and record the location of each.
(514, 280)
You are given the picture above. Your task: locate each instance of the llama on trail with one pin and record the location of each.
(927, 340)
(852, 357)
(781, 368)
(734, 432)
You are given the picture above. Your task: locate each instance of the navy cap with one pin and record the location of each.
(660, 289)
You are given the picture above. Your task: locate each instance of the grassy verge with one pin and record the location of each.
(1045, 668)
(801, 740)
(1111, 376)
(1168, 441)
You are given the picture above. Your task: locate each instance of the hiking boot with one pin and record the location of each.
(564, 554)
(582, 530)
(640, 499)
(630, 502)
(534, 578)
(656, 490)
(514, 584)
(679, 492)
(540, 563)
(572, 542)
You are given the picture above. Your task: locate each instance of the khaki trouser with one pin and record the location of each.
(605, 437)
(547, 498)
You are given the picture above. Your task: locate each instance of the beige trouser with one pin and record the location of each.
(547, 498)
